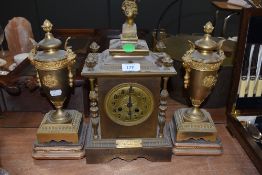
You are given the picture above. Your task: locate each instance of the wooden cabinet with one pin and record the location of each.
(245, 102)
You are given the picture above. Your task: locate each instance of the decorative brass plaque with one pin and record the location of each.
(129, 143)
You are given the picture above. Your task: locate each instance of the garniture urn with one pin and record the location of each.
(201, 62)
(54, 74)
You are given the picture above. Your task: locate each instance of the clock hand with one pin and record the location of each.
(129, 104)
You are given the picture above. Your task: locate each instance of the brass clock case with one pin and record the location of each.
(129, 104)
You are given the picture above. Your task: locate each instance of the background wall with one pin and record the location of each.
(186, 16)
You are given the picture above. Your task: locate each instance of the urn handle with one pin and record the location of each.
(71, 57)
(35, 44)
(33, 50)
(66, 43)
(192, 45)
(187, 75)
(220, 44)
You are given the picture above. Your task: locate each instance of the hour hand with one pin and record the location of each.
(129, 104)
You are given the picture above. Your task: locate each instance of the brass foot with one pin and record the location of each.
(59, 116)
(194, 115)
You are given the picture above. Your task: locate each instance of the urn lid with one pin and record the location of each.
(49, 46)
(206, 50)
(206, 44)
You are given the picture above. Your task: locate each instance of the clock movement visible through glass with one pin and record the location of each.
(129, 104)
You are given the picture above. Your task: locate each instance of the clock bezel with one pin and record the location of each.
(126, 123)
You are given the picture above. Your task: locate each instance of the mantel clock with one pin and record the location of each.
(127, 104)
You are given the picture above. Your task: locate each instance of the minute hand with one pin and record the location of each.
(129, 104)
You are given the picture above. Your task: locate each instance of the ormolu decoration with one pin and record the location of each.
(94, 47)
(129, 30)
(59, 128)
(209, 81)
(127, 105)
(49, 81)
(201, 64)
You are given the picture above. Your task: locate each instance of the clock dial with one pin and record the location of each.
(129, 104)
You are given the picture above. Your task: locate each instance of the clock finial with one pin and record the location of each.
(129, 8)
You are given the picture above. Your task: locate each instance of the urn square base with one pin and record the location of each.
(194, 130)
(103, 150)
(68, 132)
(193, 146)
(62, 149)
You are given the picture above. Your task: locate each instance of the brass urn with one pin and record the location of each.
(201, 62)
(55, 77)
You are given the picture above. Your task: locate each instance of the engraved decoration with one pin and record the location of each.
(209, 81)
(49, 81)
(129, 143)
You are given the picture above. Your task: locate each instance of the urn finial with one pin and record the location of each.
(208, 28)
(47, 26)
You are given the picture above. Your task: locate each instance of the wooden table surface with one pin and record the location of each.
(18, 131)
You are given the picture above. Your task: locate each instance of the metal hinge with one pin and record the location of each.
(234, 111)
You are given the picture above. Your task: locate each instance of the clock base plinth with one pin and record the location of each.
(62, 149)
(192, 146)
(104, 150)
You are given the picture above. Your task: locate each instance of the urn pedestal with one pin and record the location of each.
(61, 134)
(194, 132)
